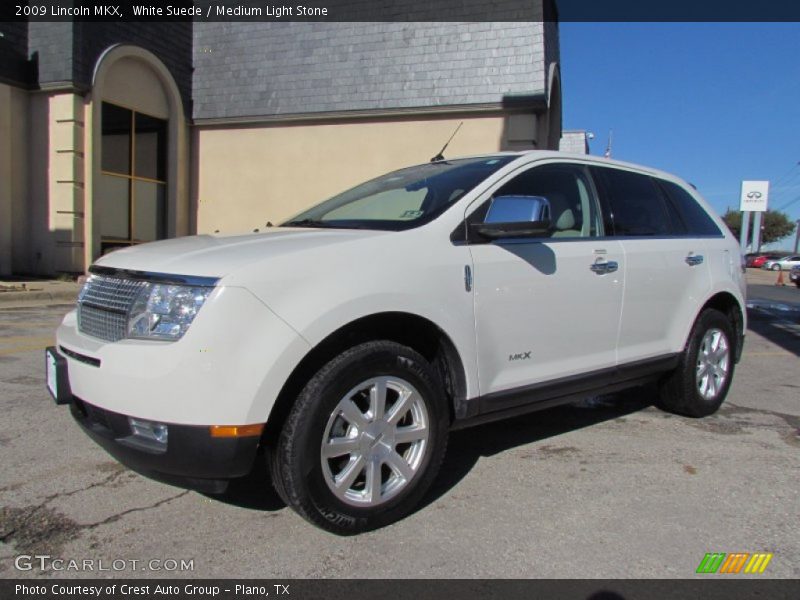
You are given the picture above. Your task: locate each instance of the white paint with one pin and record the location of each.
(283, 291)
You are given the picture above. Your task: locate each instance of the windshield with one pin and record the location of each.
(403, 199)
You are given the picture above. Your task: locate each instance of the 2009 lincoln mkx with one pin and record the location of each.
(348, 341)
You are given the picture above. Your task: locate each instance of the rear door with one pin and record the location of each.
(666, 268)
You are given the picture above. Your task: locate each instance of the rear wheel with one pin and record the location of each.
(364, 440)
(700, 383)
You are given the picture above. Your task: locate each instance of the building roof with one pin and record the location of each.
(273, 69)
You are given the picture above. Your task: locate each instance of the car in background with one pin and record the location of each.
(757, 260)
(794, 276)
(782, 264)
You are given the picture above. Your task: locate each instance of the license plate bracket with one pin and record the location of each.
(57, 377)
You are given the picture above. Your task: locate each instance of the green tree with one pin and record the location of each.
(775, 225)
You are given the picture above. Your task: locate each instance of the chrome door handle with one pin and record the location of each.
(601, 268)
(694, 260)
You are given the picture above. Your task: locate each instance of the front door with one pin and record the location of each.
(546, 308)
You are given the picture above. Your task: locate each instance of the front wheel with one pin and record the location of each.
(364, 440)
(776, 267)
(700, 383)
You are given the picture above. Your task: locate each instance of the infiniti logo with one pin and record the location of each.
(754, 195)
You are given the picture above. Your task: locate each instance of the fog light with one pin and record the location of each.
(149, 430)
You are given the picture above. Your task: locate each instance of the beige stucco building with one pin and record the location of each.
(116, 134)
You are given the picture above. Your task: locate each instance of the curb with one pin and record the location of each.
(39, 296)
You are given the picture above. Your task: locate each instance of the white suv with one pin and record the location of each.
(347, 342)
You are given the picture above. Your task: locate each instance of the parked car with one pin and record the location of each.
(794, 276)
(757, 260)
(782, 264)
(347, 342)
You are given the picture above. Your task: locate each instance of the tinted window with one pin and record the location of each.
(632, 204)
(115, 152)
(572, 206)
(151, 147)
(695, 219)
(132, 190)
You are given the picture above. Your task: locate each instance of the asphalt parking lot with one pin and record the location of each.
(607, 488)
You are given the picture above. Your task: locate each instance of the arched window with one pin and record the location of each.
(138, 153)
(132, 190)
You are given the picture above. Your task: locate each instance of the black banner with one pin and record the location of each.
(397, 10)
(732, 588)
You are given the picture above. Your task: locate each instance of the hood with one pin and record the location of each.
(217, 256)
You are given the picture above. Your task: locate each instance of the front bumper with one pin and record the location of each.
(227, 370)
(190, 458)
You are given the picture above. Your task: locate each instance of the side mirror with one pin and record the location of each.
(515, 216)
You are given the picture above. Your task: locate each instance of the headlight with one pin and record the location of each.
(164, 312)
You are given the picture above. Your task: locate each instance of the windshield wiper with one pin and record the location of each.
(308, 223)
(327, 224)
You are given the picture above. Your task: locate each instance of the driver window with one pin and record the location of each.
(573, 212)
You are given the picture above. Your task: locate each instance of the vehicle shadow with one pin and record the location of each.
(255, 492)
(777, 331)
(469, 445)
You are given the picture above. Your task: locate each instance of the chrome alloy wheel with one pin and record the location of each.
(375, 441)
(713, 363)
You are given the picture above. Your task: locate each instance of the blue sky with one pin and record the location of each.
(714, 103)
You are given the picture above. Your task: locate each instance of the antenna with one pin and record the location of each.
(440, 156)
(608, 147)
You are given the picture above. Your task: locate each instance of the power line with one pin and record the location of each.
(788, 185)
(790, 174)
(788, 204)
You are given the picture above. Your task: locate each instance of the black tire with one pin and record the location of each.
(679, 392)
(296, 461)
(776, 267)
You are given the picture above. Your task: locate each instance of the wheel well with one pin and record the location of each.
(727, 304)
(410, 330)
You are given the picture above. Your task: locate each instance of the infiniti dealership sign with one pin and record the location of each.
(754, 196)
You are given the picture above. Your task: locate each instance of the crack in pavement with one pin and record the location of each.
(41, 528)
(105, 481)
(118, 516)
(31, 510)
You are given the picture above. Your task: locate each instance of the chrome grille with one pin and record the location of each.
(104, 304)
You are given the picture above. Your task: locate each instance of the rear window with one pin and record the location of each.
(632, 204)
(694, 218)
